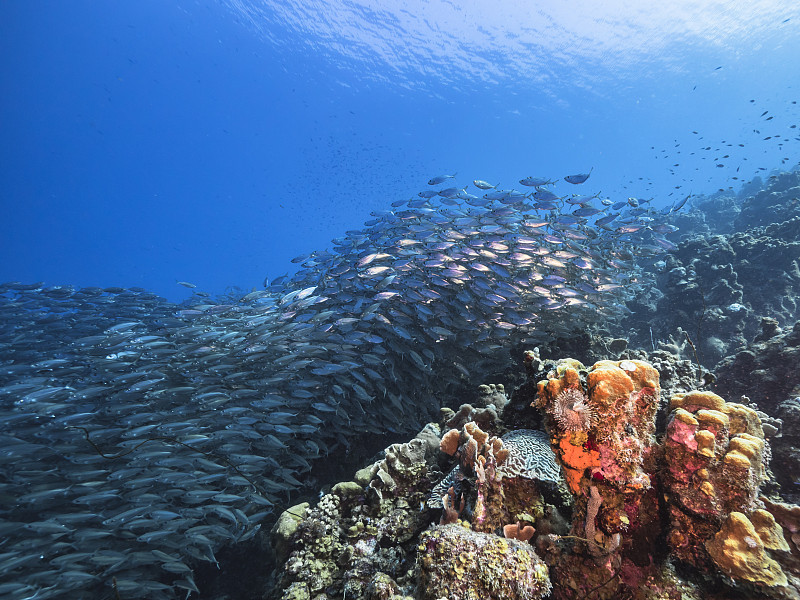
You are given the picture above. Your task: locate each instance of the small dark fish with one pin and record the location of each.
(579, 178)
(606, 220)
(586, 212)
(765, 112)
(679, 206)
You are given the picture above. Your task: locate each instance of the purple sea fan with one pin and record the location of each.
(572, 411)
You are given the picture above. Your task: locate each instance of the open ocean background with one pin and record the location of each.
(166, 393)
(150, 142)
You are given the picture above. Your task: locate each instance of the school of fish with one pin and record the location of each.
(138, 437)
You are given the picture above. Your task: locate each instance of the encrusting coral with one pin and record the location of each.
(740, 552)
(715, 453)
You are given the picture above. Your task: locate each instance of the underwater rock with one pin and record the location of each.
(285, 528)
(772, 204)
(486, 418)
(722, 281)
(617, 345)
(318, 543)
(786, 448)
(402, 469)
(788, 516)
(766, 372)
(457, 563)
(383, 587)
(358, 538)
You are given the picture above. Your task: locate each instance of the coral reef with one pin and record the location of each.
(712, 286)
(766, 371)
(494, 394)
(501, 532)
(610, 449)
(358, 540)
(716, 458)
(716, 454)
(460, 564)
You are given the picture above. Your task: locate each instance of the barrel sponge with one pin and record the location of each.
(740, 553)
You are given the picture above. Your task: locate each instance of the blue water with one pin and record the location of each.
(156, 141)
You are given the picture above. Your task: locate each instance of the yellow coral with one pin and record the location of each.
(645, 375)
(768, 530)
(738, 551)
(608, 383)
(743, 420)
(693, 400)
(569, 363)
(685, 417)
(714, 420)
(708, 489)
(743, 450)
(705, 443)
